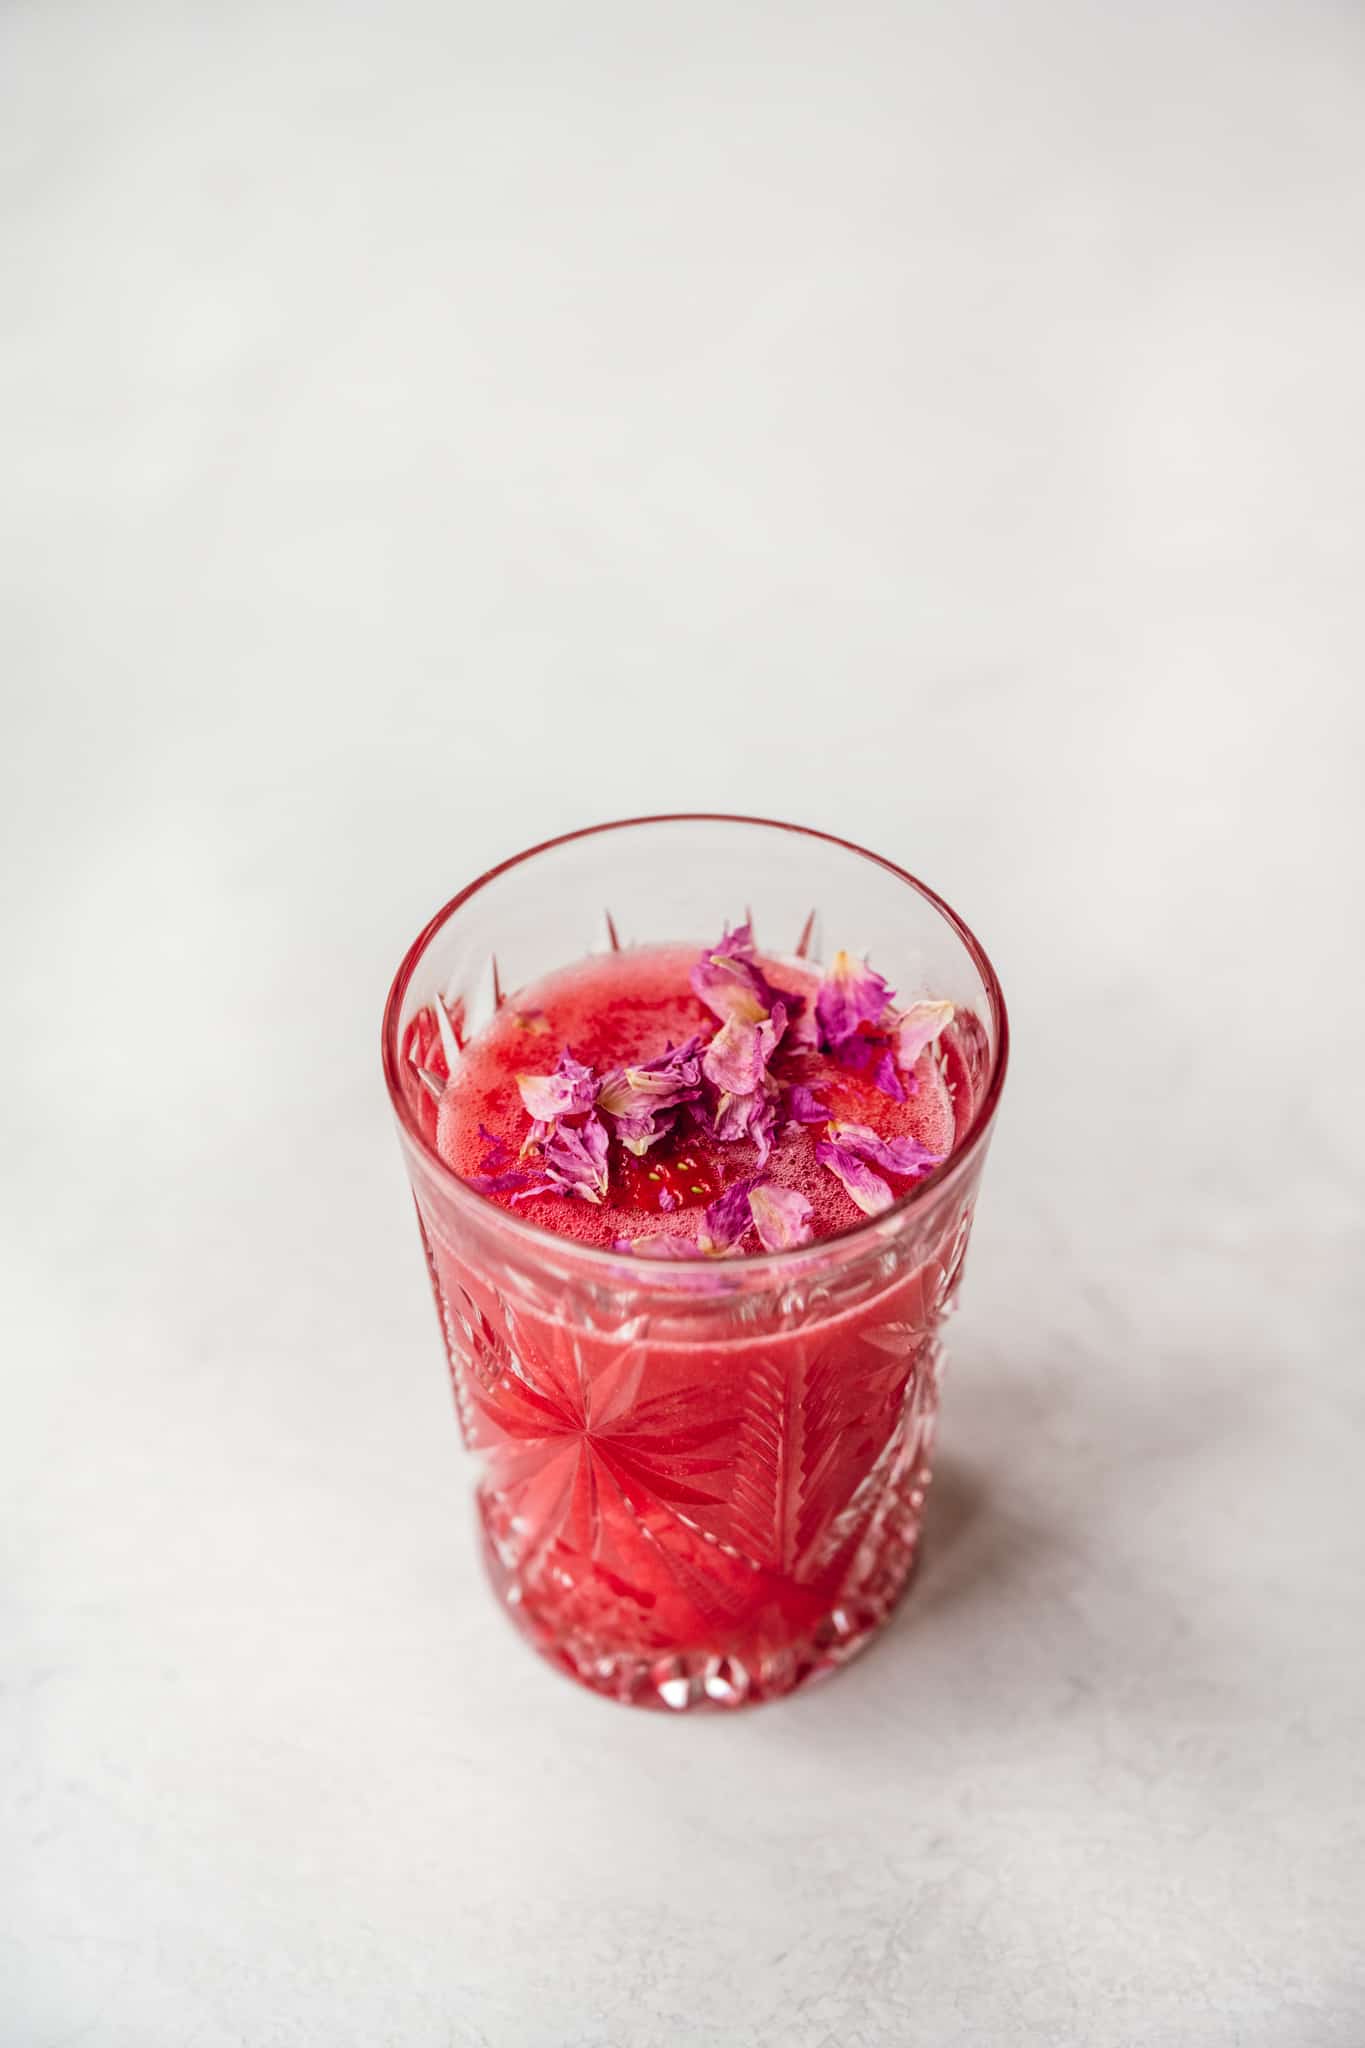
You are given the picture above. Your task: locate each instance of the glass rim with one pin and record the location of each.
(532, 1235)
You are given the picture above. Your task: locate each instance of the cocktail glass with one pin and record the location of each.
(701, 1483)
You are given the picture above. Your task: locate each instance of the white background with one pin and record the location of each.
(426, 428)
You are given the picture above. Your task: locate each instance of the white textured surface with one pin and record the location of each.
(427, 428)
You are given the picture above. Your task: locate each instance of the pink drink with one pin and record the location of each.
(632, 1006)
(701, 1482)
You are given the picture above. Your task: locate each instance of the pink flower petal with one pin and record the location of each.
(734, 1062)
(724, 1223)
(904, 1156)
(803, 1105)
(920, 1026)
(781, 1217)
(858, 1052)
(655, 1084)
(728, 990)
(850, 995)
(803, 1031)
(576, 1159)
(862, 1185)
(729, 980)
(571, 1089)
(497, 1151)
(499, 1183)
(752, 1116)
(887, 1078)
(763, 1123)
(638, 1133)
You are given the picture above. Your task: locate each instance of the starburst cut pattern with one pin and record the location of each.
(688, 1528)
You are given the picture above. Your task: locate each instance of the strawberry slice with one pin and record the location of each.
(661, 1181)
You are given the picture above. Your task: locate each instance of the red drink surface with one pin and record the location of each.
(631, 1006)
(714, 1501)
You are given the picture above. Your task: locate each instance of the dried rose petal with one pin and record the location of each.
(729, 980)
(904, 1156)
(781, 1217)
(863, 1186)
(920, 1026)
(497, 1151)
(753, 1019)
(499, 1183)
(850, 995)
(763, 1124)
(734, 1062)
(730, 1121)
(568, 1091)
(803, 1031)
(858, 1052)
(736, 1065)
(725, 1221)
(575, 1159)
(662, 1083)
(803, 1105)
(887, 1077)
(728, 991)
(638, 1133)
(639, 1098)
(752, 1116)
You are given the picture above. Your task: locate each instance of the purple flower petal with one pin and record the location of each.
(781, 1217)
(905, 1156)
(752, 1116)
(862, 1185)
(803, 1105)
(753, 1018)
(850, 995)
(571, 1089)
(729, 980)
(920, 1026)
(763, 1124)
(658, 1084)
(576, 1159)
(733, 1062)
(858, 1053)
(729, 989)
(497, 1151)
(731, 1121)
(887, 1078)
(724, 1223)
(498, 1183)
(803, 1031)
(871, 1055)
(638, 1133)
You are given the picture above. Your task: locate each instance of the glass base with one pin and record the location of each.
(764, 1662)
